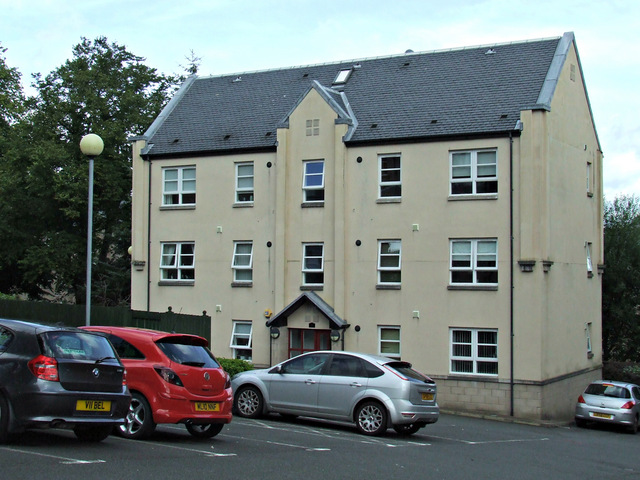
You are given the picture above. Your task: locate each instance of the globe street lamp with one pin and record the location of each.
(91, 145)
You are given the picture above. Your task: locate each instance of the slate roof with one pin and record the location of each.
(327, 311)
(401, 98)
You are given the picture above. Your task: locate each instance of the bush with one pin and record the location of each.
(622, 372)
(234, 365)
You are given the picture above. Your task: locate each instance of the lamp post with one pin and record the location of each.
(91, 145)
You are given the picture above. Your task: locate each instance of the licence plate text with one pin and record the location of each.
(207, 407)
(427, 397)
(602, 415)
(93, 405)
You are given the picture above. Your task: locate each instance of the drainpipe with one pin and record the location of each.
(511, 284)
(149, 243)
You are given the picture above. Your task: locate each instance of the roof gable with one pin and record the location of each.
(410, 97)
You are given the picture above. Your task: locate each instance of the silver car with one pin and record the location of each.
(372, 391)
(609, 402)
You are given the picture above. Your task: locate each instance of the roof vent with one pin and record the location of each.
(175, 140)
(374, 125)
(433, 122)
(227, 137)
(357, 66)
(268, 134)
(305, 75)
(491, 51)
(409, 51)
(237, 79)
(504, 115)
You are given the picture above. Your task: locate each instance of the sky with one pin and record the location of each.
(235, 36)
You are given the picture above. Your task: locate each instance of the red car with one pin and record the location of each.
(173, 378)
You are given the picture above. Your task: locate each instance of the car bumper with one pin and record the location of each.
(404, 412)
(605, 415)
(179, 409)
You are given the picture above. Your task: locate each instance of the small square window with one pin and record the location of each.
(313, 127)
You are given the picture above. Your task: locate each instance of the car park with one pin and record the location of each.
(374, 392)
(609, 402)
(59, 377)
(174, 379)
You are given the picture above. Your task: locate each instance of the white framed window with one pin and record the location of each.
(589, 178)
(179, 186)
(241, 342)
(588, 247)
(389, 262)
(389, 341)
(474, 351)
(177, 262)
(242, 264)
(312, 264)
(313, 182)
(474, 262)
(244, 182)
(587, 330)
(313, 127)
(473, 172)
(389, 176)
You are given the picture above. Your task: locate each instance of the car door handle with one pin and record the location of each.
(355, 384)
(310, 382)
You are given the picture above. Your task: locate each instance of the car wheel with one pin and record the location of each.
(205, 431)
(139, 420)
(92, 434)
(633, 429)
(407, 428)
(371, 418)
(4, 419)
(581, 423)
(249, 402)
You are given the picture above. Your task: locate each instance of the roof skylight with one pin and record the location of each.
(343, 76)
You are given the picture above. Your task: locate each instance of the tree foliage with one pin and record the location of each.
(621, 285)
(103, 89)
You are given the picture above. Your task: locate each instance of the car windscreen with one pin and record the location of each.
(404, 368)
(76, 345)
(187, 354)
(607, 390)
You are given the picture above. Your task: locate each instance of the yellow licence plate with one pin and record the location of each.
(207, 407)
(93, 405)
(427, 397)
(602, 415)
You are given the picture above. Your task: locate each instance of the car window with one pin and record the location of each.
(607, 390)
(75, 345)
(187, 354)
(5, 339)
(306, 364)
(125, 349)
(346, 366)
(636, 393)
(404, 368)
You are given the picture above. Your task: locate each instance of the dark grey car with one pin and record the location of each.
(59, 377)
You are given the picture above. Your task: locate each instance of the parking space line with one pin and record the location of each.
(64, 460)
(487, 442)
(193, 450)
(271, 442)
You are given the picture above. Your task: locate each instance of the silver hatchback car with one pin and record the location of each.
(371, 391)
(609, 402)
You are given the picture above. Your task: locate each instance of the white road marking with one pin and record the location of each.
(64, 460)
(486, 442)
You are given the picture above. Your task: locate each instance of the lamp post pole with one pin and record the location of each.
(91, 145)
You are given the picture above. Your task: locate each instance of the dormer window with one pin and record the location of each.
(343, 76)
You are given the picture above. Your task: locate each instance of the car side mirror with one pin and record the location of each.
(276, 369)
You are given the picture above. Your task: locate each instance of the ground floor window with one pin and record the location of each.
(389, 341)
(241, 340)
(474, 351)
(308, 340)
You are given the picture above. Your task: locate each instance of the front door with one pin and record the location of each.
(308, 340)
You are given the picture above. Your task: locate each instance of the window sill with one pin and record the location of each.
(176, 283)
(243, 205)
(389, 200)
(486, 196)
(177, 207)
(312, 288)
(241, 284)
(381, 286)
(312, 205)
(487, 288)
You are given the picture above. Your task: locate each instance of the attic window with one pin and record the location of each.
(343, 76)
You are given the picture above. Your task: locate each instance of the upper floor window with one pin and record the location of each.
(179, 186)
(390, 178)
(244, 182)
(242, 264)
(313, 127)
(389, 341)
(588, 246)
(241, 340)
(389, 262)
(590, 180)
(474, 262)
(474, 172)
(474, 351)
(313, 264)
(313, 183)
(178, 261)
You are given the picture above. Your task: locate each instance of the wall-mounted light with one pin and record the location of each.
(274, 332)
(335, 335)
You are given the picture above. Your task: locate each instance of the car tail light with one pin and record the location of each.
(169, 376)
(124, 378)
(227, 384)
(45, 368)
(629, 405)
(581, 399)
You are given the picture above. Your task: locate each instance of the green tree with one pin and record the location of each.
(103, 89)
(621, 283)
